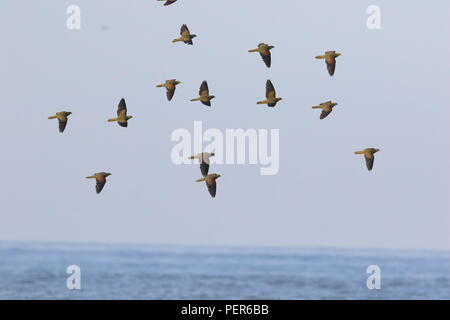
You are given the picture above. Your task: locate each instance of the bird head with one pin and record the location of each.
(129, 117)
(270, 47)
(375, 150)
(334, 104)
(107, 174)
(218, 176)
(68, 113)
(177, 82)
(212, 154)
(193, 36)
(211, 97)
(337, 54)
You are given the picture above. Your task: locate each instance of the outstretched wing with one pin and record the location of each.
(324, 114)
(99, 186)
(170, 92)
(204, 90)
(122, 107)
(270, 90)
(212, 188)
(369, 162)
(184, 31)
(62, 125)
(331, 65)
(204, 168)
(266, 56)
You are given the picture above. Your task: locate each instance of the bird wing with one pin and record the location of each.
(122, 107)
(184, 31)
(99, 186)
(266, 56)
(324, 114)
(204, 168)
(62, 124)
(170, 92)
(270, 90)
(369, 162)
(331, 65)
(212, 186)
(204, 90)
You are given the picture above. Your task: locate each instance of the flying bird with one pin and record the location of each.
(204, 96)
(264, 51)
(203, 158)
(330, 60)
(186, 35)
(62, 119)
(271, 98)
(100, 178)
(369, 155)
(122, 117)
(326, 107)
(210, 180)
(170, 86)
(168, 2)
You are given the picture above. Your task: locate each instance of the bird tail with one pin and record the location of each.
(177, 39)
(191, 157)
(359, 152)
(262, 102)
(113, 119)
(90, 177)
(53, 117)
(162, 84)
(316, 107)
(200, 180)
(196, 99)
(320, 57)
(253, 50)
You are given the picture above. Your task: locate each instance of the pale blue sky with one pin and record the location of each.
(391, 85)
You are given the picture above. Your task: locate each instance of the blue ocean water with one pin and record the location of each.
(38, 271)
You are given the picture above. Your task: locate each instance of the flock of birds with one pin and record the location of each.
(205, 98)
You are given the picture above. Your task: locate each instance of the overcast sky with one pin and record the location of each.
(392, 86)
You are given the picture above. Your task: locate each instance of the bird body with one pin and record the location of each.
(210, 180)
(203, 158)
(122, 117)
(204, 96)
(330, 60)
(326, 107)
(100, 178)
(264, 51)
(271, 98)
(62, 119)
(170, 86)
(186, 35)
(369, 156)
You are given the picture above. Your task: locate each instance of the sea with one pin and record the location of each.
(42, 271)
